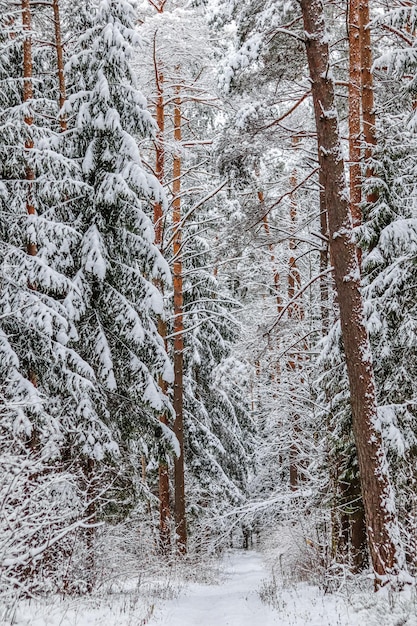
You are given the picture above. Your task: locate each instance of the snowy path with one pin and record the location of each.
(234, 602)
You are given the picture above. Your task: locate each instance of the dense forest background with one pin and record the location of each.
(207, 284)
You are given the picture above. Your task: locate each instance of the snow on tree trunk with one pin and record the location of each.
(367, 93)
(354, 112)
(180, 521)
(60, 63)
(163, 473)
(354, 521)
(295, 311)
(383, 532)
(367, 90)
(324, 259)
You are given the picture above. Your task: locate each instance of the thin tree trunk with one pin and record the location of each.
(324, 259)
(354, 517)
(367, 84)
(275, 273)
(27, 96)
(294, 278)
(31, 247)
(293, 364)
(159, 149)
(163, 474)
(382, 524)
(354, 112)
(164, 503)
(412, 31)
(180, 520)
(60, 63)
(90, 533)
(275, 276)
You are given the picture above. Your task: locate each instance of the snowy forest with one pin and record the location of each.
(208, 311)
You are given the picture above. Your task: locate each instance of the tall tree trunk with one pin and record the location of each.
(294, 278)
(60, 63)
(159, 148)
(294, 362)
(275, 273)
(180, 519)
(353, 518)
(164, 503)
(382, 524)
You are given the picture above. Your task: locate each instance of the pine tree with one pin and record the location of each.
(386, 553)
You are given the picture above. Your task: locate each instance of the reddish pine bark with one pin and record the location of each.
(159, 148)
(164, 493)
(368, 108)
(382, 525)
(354, 112)
(367, 91)
(60, 62)
(180, 519)
(354, 522)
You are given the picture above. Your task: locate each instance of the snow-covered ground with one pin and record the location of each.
(236, 599)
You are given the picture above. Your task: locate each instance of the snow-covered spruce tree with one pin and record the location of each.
(340, 492)
(47, 389)
(219, 431)
(116, 302)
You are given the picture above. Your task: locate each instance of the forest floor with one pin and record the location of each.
(243, 592)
